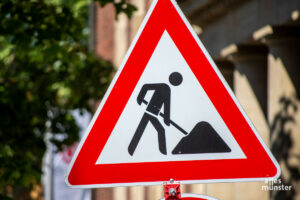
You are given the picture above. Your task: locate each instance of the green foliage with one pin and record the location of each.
(45, 71)
(121, 6)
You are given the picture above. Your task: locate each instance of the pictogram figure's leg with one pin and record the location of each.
(161, 134)
(138, 133)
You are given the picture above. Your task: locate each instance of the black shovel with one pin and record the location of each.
(202, 139)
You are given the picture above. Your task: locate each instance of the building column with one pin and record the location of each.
(137, 17)
(226, 67)
(284, 103)
(250, 87)
(135, 193)
(99, 194)
(154, 192)
(121, 39)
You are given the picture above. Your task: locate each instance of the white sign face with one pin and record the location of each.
(189, 105)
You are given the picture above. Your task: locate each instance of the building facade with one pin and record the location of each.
(256, 46)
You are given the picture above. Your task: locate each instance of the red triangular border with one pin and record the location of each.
(259, 162)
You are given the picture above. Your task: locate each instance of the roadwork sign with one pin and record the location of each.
(169, 114)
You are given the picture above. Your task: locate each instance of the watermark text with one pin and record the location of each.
(276, 185)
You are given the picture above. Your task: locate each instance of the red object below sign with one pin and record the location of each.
(196, 197)
(190, 196)
(172, 191)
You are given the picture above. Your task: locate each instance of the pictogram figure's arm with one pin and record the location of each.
(143, 92)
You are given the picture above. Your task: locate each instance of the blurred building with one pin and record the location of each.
(256, 45)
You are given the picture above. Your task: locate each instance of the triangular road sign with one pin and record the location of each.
(169, 114)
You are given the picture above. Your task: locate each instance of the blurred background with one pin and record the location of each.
(57, 58)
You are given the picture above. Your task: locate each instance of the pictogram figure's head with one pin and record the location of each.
(175, 78)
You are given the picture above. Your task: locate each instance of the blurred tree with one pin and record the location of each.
(45, 71)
